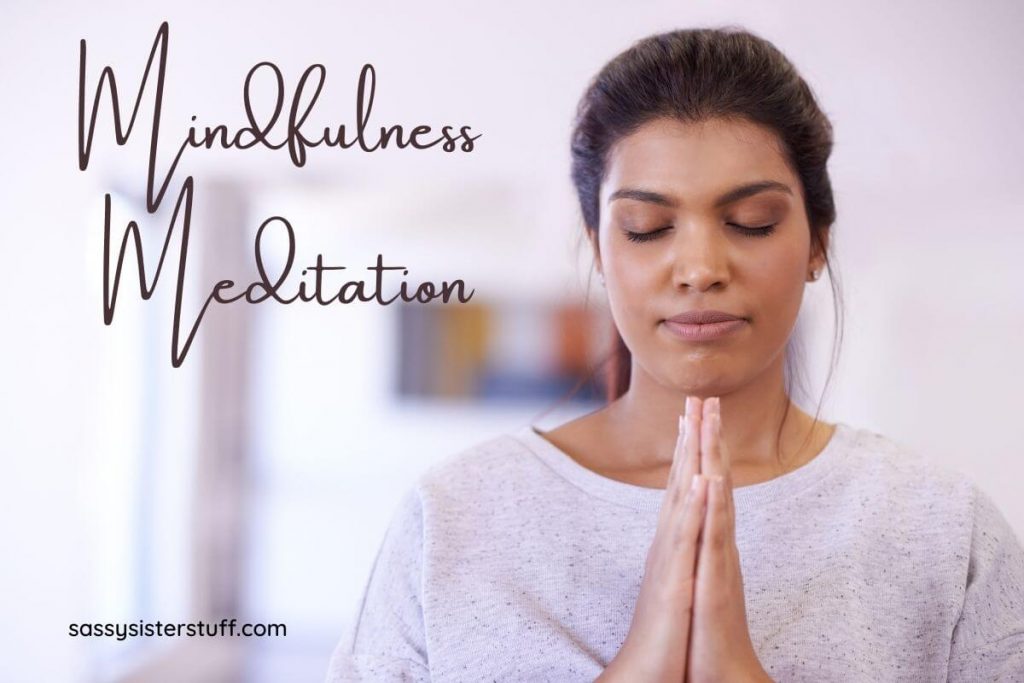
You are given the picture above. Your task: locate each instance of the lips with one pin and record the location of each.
(703, 317)
(703, 326)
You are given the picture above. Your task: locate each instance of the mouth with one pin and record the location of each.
(699, 332)
(700, 316)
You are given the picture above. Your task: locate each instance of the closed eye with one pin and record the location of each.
(754, 231)
(751, 231)
(645, 236)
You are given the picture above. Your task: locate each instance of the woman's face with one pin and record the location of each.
(674, 184)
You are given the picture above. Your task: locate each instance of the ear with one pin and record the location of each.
(817, 259)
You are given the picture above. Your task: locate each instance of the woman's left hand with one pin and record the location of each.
(720, 646)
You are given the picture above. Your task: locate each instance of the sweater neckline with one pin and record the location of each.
(646, 498)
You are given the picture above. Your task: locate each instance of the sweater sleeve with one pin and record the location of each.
(988, 639)
(386, 640)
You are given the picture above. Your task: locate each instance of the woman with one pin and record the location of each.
(746, 541)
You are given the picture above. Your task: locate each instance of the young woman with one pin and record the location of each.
(744, 541)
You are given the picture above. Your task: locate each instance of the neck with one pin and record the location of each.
(752, 416)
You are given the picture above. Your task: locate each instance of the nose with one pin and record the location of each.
(700, 253)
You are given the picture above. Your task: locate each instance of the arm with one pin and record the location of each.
(386, 640)
(988, 640)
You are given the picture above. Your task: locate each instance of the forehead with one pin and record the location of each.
(695, 162)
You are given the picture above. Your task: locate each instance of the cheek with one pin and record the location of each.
(636, 276)
(775, 279)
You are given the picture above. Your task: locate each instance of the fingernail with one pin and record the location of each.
(695, 483)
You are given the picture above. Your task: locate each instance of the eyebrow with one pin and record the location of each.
(733, 195)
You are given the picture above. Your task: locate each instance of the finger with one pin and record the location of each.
(732, 548)
(686, 547)
(690, 463)
(726, 460)
(714, 533)
(691, 521)
(675, 493)
(678, 456)
(691, 442)
(710, 441)
(722, 445)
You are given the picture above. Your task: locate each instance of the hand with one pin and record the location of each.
(720, 648)
(655, 648)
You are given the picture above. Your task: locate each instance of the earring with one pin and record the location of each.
(814, 275)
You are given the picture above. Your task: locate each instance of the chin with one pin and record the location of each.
(710, 379)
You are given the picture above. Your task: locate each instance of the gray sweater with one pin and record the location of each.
(511, 562)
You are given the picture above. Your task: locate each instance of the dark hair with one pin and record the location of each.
(694, 75)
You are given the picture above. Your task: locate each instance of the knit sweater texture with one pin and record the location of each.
(510, 561)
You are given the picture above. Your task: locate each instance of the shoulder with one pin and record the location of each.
(459, 491)
(477, 464)
(910, 482)
(916, 508)
(502, 468)
(894, 464)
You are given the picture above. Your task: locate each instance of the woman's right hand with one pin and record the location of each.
(655, 649)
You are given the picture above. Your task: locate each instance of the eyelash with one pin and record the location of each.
(760, 231)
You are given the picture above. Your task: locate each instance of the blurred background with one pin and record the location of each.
(257, 479)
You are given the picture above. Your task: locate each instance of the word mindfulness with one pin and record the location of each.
(281, 130)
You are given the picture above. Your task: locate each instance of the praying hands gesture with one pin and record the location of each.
(690, 622)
